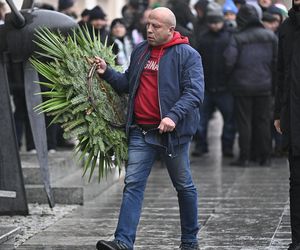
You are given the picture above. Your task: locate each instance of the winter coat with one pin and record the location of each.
(211, 46)
(287, 103)
(251, 57)
(180, 86)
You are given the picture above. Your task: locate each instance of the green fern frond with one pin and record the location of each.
(69, 101)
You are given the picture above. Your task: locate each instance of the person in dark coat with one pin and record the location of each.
(287, 109)
(98, 21)
(211, 45)
(85, 16)
(250, 58)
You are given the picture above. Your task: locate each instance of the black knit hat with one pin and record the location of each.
(97, 13)
(65, 4)
(214, 13)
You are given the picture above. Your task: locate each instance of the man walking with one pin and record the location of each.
(287, 109)
(165, 85)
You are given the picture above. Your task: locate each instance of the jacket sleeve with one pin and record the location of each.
(192, 81)
(119, 81)
(279, 81)
(231, 54)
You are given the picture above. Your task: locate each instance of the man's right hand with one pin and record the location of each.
(277, 126)
(101, 65)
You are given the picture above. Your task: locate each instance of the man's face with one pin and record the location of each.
(85, 18)
(215, 27)
(268, 25)
(99, 23)
(277, 22)
(158, 32)
(230, 16)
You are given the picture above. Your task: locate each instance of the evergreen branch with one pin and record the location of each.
(89, 110)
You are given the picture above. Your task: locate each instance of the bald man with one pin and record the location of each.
(165, 85)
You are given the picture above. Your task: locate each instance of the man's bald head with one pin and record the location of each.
(165, 15)
(160, 26)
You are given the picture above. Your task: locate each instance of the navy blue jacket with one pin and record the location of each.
(180, 86)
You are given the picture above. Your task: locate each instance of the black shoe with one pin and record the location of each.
(111, 245)
(189, 246)
(240, 163)
(294, 246)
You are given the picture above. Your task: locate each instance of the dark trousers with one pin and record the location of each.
(21, 119)
(252, 115)
(295, 197)
(224, 102)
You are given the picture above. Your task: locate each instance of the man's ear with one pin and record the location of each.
(172, 29)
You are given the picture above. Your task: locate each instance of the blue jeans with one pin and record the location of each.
(141, 159)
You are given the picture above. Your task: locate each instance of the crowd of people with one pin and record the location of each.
(238, 45)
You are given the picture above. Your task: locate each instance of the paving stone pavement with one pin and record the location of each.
(239, 209)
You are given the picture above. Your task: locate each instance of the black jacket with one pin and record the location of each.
(211, 46)
(287, 103)
(251, 58)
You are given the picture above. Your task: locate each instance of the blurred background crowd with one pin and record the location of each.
(237, 40)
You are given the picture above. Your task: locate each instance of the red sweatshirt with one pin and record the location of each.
(146, 105)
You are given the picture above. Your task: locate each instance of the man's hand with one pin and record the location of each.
(166, 125)
(101, 65)
(277, 126)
